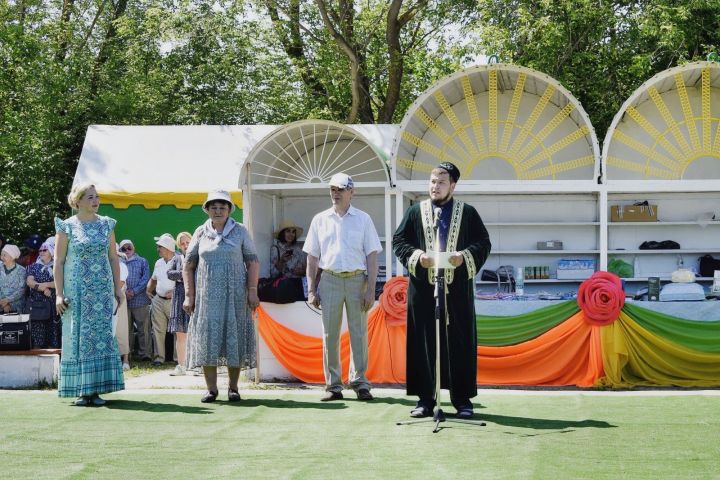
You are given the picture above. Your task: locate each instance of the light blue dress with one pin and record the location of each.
(90, 357)
(12, 286)
(221, 330)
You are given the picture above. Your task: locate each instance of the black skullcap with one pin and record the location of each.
(451, 169)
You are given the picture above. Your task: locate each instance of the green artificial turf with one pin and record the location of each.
(284, 434)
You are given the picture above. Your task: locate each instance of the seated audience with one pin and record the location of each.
(30, 251)
(12, 281)
(45, 326)
(286, 257)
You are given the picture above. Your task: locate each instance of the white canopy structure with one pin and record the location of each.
(286, 176)
(666, 132)
(160, 165)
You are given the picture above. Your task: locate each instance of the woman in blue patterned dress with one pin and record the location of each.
(87, 275)
(221, 275)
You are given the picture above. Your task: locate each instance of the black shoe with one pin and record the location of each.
(157, 363)
(209, 396)
(233, 395)
(330, 396)
(364, 394)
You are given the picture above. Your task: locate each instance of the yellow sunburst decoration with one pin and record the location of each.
(499, 122)
(666, 130)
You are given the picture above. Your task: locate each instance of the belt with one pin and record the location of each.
(165, 298)
(345, 274)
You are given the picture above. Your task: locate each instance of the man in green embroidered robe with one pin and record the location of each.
(462, 232)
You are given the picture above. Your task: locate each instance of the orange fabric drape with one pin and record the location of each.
(386, 347)
(569, 354)
(300, 354)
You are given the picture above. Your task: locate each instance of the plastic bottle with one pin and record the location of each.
(636, 267)
(520, 280)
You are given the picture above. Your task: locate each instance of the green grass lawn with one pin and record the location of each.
(285, 434)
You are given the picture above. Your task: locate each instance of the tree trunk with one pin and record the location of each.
(103, 54)
(294, 46)
(64, 30)
(395, 67)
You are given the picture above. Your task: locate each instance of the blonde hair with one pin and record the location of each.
(180, 235)
(77, 193)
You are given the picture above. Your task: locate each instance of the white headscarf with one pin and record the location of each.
(12, 250)
(210, 232)
(50, 245)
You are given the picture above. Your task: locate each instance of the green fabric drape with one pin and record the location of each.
(693, 334)
(493, 331)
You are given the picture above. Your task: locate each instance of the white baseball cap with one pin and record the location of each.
(166, 240)
(341, 180)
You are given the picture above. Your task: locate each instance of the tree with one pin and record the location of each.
(377, 41)
(601, 50)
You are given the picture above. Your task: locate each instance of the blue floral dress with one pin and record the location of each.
(90, 357)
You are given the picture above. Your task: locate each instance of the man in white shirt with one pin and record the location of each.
(160, 290)
(343, 242)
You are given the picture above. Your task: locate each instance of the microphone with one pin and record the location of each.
(436, 220)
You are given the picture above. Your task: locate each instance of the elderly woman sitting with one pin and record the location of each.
(45, 327)
(12, 280)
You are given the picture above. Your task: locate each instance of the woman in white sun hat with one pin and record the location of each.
(221, 276)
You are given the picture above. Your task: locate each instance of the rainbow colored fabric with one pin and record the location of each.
(596, 341)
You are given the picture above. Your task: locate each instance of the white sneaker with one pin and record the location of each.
(126, 366)
(178, 372)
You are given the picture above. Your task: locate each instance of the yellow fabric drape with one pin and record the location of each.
(154, 200)
(634, 356)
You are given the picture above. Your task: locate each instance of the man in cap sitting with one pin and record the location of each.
(461, 231)
(342, 240)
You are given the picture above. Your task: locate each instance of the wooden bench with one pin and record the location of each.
(29, 368)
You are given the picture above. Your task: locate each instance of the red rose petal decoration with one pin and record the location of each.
(601, 297)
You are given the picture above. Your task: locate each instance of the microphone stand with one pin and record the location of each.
(438, 414)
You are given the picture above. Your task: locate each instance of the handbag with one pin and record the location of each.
(40, 311)
(708, 265)
(280, 290)
(15, 332)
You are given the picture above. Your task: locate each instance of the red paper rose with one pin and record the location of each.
(601, 298)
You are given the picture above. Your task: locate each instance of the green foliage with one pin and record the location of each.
(601, 50)
(67, 64)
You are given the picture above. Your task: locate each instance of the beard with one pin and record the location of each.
(441, 200)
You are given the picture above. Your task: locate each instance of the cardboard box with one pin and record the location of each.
(633, 213)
